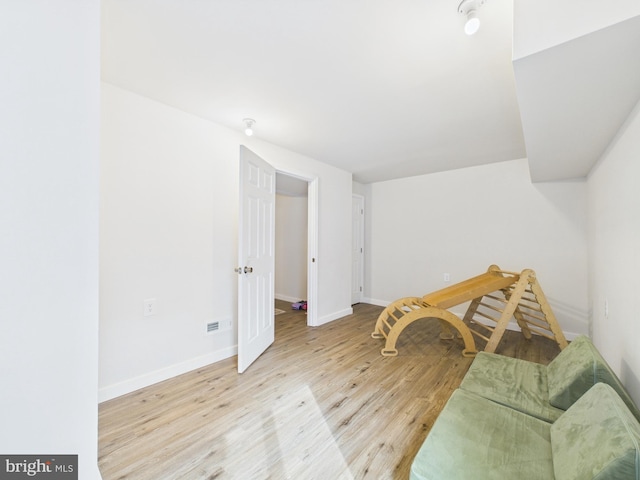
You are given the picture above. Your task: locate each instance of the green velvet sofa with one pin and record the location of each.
(475, 438)
(543, 391)
(511, 418)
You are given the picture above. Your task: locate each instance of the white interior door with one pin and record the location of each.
(357, 249)
(256, 234)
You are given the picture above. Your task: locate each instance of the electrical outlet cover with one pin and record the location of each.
(149, 307)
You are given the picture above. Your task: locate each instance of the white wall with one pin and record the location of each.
(291, 248)
(460, 222)
(359, 188)
(49, 137)
(168, 230)
(614, 258)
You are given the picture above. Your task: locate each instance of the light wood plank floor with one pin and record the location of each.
(320, 403)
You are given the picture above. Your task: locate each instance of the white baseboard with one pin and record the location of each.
(511, 326)
(286, 298)
(334, 316)
(112, 391)
(373, 301)
(568, 335)
(133, 384)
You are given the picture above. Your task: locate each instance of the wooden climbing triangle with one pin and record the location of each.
(496, 297)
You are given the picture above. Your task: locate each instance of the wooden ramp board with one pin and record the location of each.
(470, 289)
(495, 297)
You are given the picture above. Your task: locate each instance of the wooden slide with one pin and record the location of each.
(496, 296)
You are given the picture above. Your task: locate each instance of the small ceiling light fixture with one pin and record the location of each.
(469, 8)
(248, 122)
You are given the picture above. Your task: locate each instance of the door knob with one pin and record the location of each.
(238, 270)
(248, 269)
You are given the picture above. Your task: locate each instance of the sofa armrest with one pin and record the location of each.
(597, 437)
(576, 369)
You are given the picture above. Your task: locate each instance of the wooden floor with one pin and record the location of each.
(320, 403)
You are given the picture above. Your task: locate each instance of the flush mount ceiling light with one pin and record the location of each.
(469, 8)
(248, 126)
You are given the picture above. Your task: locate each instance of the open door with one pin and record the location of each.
(256, 258)
(357, 248)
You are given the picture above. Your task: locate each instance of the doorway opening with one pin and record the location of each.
(295, 244)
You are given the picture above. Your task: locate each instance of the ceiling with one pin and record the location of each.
(383, 89)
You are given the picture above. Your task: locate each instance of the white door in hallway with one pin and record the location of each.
(357, 249)
(256, 235)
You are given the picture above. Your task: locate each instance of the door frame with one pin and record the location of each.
(312, 242)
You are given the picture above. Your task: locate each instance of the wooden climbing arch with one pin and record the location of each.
(496, 296)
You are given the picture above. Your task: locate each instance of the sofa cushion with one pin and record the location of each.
(597, 437)
(476, 438)
(576, 369)
(511, 382)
